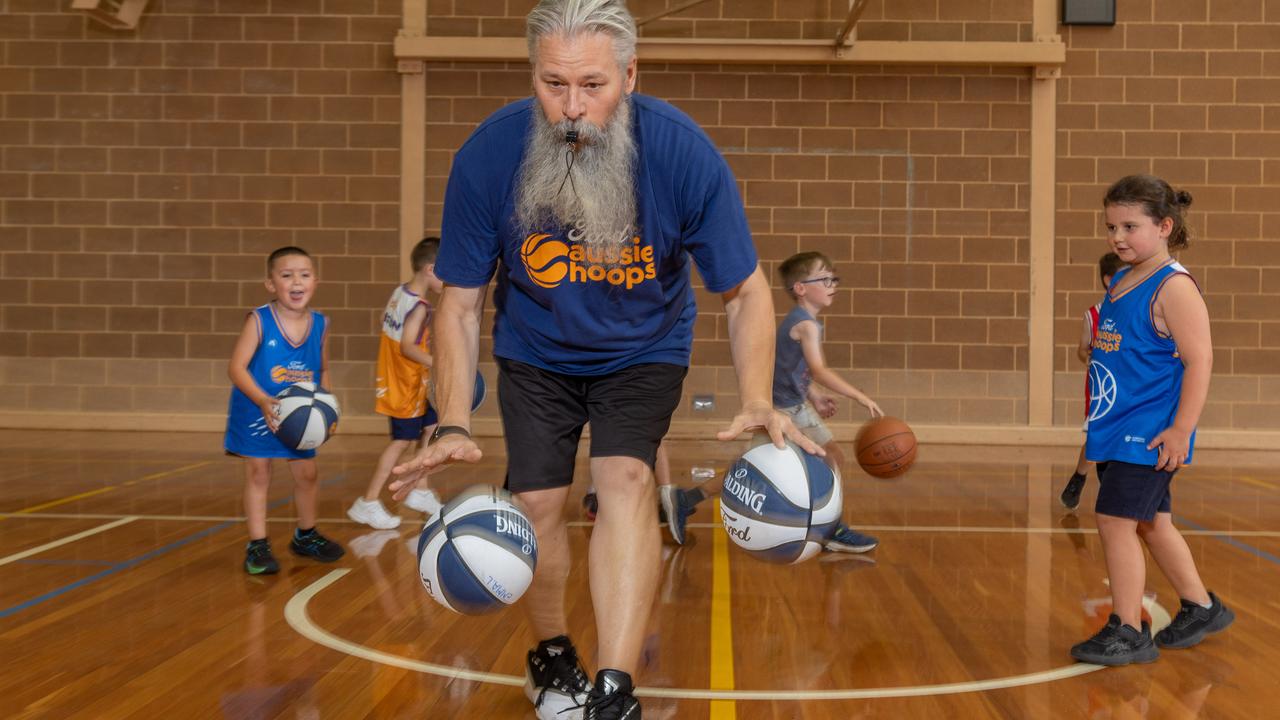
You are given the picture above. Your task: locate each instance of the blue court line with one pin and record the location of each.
(1258, 552)
(117, 567)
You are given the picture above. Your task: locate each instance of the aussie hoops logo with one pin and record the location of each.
(294, 372)
(549, 262)
(546, 260)
(1102, 390)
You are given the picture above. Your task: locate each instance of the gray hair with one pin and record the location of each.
(571, 18)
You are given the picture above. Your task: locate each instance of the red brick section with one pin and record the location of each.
(143, 176)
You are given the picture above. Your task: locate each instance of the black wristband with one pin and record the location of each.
(442, 430)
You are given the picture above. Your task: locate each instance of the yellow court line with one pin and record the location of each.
(166, 473)
(721, 625)
(1258, 483)
(109, 488)
(65, 500)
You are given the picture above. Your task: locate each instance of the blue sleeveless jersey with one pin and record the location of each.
(791, 377)
(277, 363)
(1135, 375)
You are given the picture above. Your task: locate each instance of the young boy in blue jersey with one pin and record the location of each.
(799, 363)
(1150, 368)
(282, 342)
(1108, 266)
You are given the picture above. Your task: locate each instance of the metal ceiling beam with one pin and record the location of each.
(855, 11)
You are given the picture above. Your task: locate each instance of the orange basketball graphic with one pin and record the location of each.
(546, 261)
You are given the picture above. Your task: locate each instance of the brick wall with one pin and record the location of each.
(144, 175)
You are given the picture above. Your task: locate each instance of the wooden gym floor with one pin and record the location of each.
(122, 596)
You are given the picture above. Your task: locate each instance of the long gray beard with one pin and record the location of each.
(598, 200)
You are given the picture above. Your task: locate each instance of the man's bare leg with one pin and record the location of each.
(625, 560)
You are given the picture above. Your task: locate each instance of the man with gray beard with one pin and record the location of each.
(589, 202)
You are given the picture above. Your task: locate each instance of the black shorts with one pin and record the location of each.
(543, 413)
(1131, 491)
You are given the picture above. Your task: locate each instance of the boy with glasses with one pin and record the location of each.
(799, 363)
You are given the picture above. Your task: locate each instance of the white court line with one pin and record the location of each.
(295, 613)
(68, 539)
(584, 523)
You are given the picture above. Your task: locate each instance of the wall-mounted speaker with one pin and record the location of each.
(1088, 12)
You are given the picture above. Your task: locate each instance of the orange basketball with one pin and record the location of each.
(885, 447)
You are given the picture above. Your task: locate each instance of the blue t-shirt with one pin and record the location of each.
(1135, 375)
(556, 309)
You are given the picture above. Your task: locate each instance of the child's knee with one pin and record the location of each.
(257, 474)
(303, 471)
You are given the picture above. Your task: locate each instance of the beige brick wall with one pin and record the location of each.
(144, 176)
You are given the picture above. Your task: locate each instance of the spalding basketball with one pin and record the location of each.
(780, 505)
(478, 553)
(885, 447)
(308, 416)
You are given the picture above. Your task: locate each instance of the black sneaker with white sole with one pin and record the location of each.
(1194, 623)
(1117, 644)
(555, 682)
(611, 698)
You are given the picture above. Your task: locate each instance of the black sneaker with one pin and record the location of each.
(554, 680)
(590, 505)
(1117, 644)
(1071, 493)
(316, 546)
(1193, 623)
(258, 559)
(611, 698)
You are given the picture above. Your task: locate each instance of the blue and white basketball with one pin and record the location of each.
(478, 393)
(780, 505)
(477, 555)
(308, 416)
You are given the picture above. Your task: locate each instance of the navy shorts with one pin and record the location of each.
(412, 428)
(543, 414)
(1131, 491)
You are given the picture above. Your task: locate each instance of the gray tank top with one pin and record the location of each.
(791, 376)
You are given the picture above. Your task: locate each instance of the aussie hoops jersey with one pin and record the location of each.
(1135, 375)
(277, 363)
(401, 385)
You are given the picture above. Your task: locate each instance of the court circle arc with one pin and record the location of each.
(296, 615)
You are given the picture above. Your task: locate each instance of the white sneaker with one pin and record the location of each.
(424, 501)
(371, 513)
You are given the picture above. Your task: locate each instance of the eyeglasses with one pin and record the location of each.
(829, 281)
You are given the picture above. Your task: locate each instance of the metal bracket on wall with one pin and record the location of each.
(115, 14)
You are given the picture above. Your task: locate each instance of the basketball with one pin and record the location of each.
(885, 447)
(308, 416)
(478, 554)
(780, 505)
(478, 393)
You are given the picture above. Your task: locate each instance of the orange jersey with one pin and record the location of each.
(401, 385)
